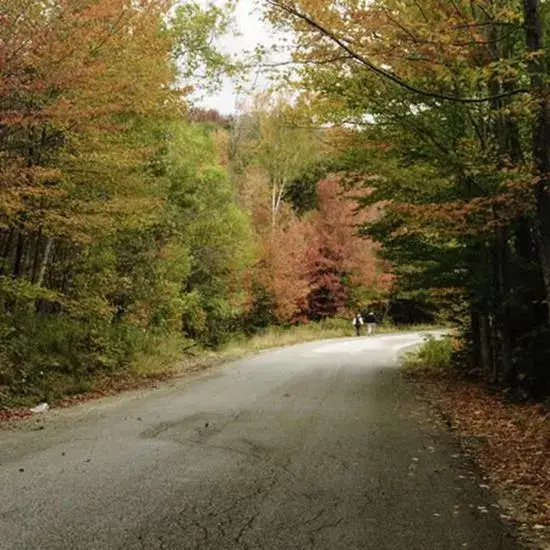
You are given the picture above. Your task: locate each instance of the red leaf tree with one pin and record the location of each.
(344, 268)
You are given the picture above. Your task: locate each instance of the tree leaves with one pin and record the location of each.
(113, 208)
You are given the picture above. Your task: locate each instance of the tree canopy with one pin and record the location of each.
(449, 101)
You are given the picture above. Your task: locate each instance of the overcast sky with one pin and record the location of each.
(253, 32)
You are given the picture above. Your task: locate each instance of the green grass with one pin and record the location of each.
(435, 354)
(158, 355)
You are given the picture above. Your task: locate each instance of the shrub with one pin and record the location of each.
(435, 354)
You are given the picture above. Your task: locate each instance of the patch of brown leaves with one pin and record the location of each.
(9, 415)
(513, 441)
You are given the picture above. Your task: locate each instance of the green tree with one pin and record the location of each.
(448, 121)
(203, 210)
(99, 251)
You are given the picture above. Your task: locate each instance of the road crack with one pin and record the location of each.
(246, 527)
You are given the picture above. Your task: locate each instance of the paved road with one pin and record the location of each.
(318, 446)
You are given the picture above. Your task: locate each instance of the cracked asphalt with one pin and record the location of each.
(321, 445)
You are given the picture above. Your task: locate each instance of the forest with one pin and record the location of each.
(401, 162)
(135, 225)
(451, 110)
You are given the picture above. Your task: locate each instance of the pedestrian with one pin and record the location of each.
(357, 323)
(370, 320)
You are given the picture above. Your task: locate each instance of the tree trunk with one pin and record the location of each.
(273, 205)
(277, 192)
(486, 348)
(494, 336)
(44, 263)
(6, 251)
(475, 328)
(508, 149)
(543, 234)
(19, 255)
(503, 304)
(541, 135)
(36, 256)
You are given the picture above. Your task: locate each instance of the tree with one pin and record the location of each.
(538, 69)
(344, 268)
(216, 233)
(273, 141)
(439, 91)
(283, 269)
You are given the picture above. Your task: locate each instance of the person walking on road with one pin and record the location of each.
(358, 323)
(370, 320)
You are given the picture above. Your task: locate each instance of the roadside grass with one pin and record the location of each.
(160, 356)
(434, 355)
(275, 337)
(509, 442)
(166, 356)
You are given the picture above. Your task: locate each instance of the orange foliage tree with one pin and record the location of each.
(344, 269)
(74, 84)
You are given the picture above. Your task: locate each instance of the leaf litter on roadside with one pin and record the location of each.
(509, 442)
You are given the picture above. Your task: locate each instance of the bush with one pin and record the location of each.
(435, 354)
(45, 357)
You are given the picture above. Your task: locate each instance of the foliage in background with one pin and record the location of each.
(312, 262)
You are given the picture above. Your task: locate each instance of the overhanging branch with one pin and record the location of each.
(379, 70)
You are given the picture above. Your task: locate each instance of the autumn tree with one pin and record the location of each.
(273, 139)
(344, 270)
(450, 101)
(67, 74)
(101, 249)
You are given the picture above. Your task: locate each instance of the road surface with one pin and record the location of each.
(320, 445)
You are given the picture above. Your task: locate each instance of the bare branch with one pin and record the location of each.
(308, 62)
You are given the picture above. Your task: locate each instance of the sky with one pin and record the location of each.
(253, 32)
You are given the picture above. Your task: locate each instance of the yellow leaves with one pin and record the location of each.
(507, 14)
(432, 44)
(83, 79)
(91, 56)
(533, 55)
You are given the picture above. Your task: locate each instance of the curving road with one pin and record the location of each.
(317, 446)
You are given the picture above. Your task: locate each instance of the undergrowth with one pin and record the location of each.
(435, 354)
